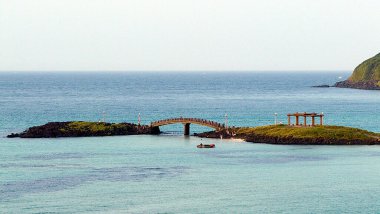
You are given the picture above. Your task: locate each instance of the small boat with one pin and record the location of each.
(206, 146)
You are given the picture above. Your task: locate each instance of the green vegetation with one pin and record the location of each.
(84, 129)
(96, 127)
(326, 132)
(369, 70)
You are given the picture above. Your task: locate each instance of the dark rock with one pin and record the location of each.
(13, 135)
(214, 134)
(321, 86)
(366, 85)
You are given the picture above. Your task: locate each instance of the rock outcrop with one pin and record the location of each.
(84, 129)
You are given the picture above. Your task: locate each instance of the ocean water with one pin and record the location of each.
(168, 174)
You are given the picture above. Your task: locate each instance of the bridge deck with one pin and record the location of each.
(197, 121)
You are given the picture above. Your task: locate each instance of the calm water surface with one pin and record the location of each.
(167, 174)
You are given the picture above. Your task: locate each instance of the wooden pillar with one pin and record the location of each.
(297, 120)
(186, 129)
(321, 117)
(312, 120)
(304, 121)
(289, 120)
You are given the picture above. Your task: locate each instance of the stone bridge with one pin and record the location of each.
(186, 123)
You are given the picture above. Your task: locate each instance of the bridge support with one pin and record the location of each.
(186, 129)
(186, 123)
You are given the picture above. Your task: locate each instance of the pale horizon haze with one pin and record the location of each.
(187, 35)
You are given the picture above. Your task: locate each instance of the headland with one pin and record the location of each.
(365, 76)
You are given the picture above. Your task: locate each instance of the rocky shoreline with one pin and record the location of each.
(292, 141)
(84, 129)
(321, 86)
(365, 85)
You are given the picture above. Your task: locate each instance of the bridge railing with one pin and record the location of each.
(182, 119)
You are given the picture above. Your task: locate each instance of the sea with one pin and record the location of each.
(167, 173)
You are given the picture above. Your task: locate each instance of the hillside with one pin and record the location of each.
(365, 76)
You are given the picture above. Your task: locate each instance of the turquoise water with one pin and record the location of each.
(168, 174)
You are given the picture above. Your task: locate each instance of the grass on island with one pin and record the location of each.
(326, 132)
(95, 127)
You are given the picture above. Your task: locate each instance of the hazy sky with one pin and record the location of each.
(130, 35)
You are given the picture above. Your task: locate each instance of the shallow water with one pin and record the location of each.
(168, 174)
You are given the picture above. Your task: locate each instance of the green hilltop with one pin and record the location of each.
(369, 70)
(365, 76)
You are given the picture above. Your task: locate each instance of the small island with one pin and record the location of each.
(299, 135)
(365, 76)
(84, 129)
(314, 133)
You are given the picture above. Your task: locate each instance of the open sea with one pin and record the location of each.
(167, 173)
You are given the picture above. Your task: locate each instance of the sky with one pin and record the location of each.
(187, 35)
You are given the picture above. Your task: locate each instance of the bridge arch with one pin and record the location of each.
(186, 123)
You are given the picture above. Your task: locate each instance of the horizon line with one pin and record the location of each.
(172, 71)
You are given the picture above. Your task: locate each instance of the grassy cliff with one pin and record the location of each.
(365, 76)
(369, 70)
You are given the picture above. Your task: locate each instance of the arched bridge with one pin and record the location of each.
(186, 123)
